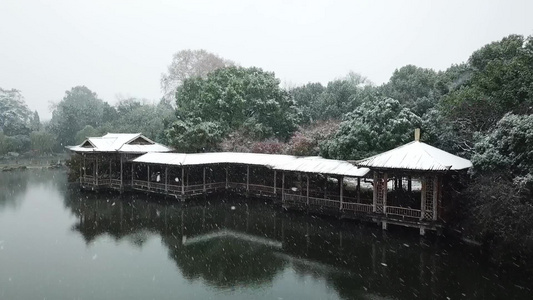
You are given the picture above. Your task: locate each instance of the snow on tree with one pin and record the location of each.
(15, 116)
(189, 64)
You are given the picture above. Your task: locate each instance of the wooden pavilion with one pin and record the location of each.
(408, 183)
(403, 186)
(106, 160)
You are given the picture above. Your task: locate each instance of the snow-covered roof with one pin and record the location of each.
(120, 142)
(273, 161)
(416, 156)
(325, 166)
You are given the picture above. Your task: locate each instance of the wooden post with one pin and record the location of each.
(166, 179)
(409, 183)
(326, 188)
(110, 163)
(96, 171)
(227, 175)
(81, 169)
(341, 187)
(300, 182)
(358, 189)
(307, 189)
(375, 191)
(423, 197)
(275, 184)
(183, 181)
(400, 182)
(283, 186)
(121, 172)
(386, 189)
(247, 178)
(204, 179)
(435, 196)
(148, 176)
(132, 173)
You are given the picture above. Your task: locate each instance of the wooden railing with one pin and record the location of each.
(88, 180)
(324, 202)
(402, 211)
(290, 196)
(261, 188)
(357, 207)
(115, 183)
(295, 198)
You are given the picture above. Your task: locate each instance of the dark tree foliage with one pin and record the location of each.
(234, 98)
(415, 88)
(80, 107)
(340, 96)
(500, 80)
(372, 128)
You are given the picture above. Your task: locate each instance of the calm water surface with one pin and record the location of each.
(59, 243)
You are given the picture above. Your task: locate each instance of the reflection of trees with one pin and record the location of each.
(226, 262)
(357, 261)
(15, 183)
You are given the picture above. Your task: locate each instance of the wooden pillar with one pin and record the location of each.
(307, 189)
(283, 186)
(375, 192)
(300, 180)
(227, 177)
(435, 196)
(358, 189)
(81, 168)
(409, 183)
(166, 179)
(110, 164)
(275, 183)
(183, 180)
(121, 171)
(132, 173)
(341, 187)
(400, 182)
(204, 179)
(247, 178)
(385, 190)
(148, 166)
(96, 170)
(423, 197)
(326, 188)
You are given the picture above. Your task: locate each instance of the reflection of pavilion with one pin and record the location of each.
(225, 233)
(251, 245)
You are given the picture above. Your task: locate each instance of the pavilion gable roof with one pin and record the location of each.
(120, 142)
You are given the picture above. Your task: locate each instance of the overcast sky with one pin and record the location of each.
(122, 47)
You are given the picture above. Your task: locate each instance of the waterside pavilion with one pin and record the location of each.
(105, 160)
(409, 184)
(402, 186)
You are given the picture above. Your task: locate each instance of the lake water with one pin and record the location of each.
(59, 243)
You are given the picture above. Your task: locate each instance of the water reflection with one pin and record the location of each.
(249, 244)
(14, 184)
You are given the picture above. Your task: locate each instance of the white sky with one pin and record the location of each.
(122, 47)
